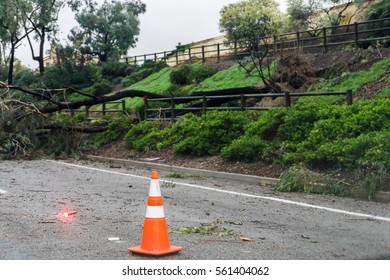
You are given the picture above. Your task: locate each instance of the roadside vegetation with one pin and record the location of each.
(315, 140)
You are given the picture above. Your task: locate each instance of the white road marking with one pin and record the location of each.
(286, 201)
(3, 191)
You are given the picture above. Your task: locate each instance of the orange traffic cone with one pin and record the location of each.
(155, 239)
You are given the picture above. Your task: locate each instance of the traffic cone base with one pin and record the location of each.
(155, 239)
(170, 250)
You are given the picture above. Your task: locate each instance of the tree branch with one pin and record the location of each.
(31, 92)
(73, 90)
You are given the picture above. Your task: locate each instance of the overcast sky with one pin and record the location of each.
(163, 26)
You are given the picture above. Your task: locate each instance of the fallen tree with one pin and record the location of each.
(52, 105)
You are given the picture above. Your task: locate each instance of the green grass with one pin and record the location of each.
(383, 93)
(349, 81)
(354, 81)
(232, 77)
(157, 83)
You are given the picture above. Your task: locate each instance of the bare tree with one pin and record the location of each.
(41, 20)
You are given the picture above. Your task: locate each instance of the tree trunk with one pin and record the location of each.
(55, 106)
(11, 64)
(41, 51)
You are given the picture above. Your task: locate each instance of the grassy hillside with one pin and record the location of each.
(157, 82)
(160, 83)
(317, 132)
(355, 80)
(232, 77)
(235, 76)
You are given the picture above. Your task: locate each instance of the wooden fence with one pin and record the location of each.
(172, 112)
(87, 109)
(322, 39)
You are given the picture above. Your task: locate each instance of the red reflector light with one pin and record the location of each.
(67, 214)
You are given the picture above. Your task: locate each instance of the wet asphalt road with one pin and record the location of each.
(111, 200)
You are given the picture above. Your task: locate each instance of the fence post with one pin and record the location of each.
(189, 55)
(145, 108)
(297, 40)
(135, 60)
(155, 57)
(218, 53)
(324, 39)
(165, 56)
(204, 103)
(123, 106)
(349, 97)
(104, 109)
(203, 55)
(177, 58)
(243, 103)
(172, 109)
(356, 35)
(288, 99)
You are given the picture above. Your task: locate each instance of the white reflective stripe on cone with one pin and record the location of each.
(154, 212)
(154, 188)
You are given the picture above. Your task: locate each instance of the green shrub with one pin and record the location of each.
(112, 69)
(100, 88)
(188, 74)
(298, 122)
(146, 135)
(209, 133)
(378, 152)
(115, 129)
(18, 127)
(201, 72)
(181, 75)
(26, 78)
(341, 135)
(333, 136)
(70, 75)
(258, 138)
(246, 148)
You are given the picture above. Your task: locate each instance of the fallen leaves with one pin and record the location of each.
(214, 228)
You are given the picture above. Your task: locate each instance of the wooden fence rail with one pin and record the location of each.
(321, 39)
(171, 111)
(87, 110)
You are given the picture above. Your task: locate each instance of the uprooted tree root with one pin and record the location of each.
(295, 72)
